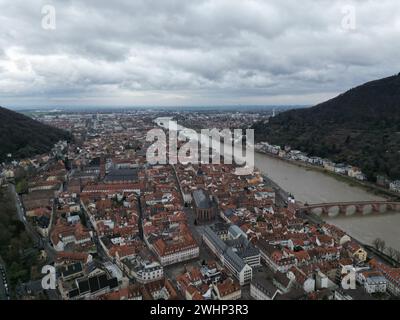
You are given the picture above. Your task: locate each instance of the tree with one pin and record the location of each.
(379, 244)
(391, 252)
(15, 243)
(375, 243)
(17, 272)
(397, 255)
(22, 186)
(382, 245)
(260, 219)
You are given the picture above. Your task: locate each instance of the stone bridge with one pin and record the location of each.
(351, 208)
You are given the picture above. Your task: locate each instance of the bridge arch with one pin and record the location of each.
(318, 211)
(383, 208)
(367, 209)
(333, 211)
(351, 208)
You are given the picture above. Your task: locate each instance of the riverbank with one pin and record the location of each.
(365, 185)
(372, 252)
(316, 186)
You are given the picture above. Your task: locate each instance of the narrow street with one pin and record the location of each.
(4, 287)
(141, 235)
(38, 240)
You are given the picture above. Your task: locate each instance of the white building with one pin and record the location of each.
(395, 186)
(144, 271)
(240, 269)
(372, 281)
(9, 174)
(356, 173)
(262, 289)
(228, 257)
(168, 255)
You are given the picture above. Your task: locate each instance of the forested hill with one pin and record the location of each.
(23, 137)
(360, 127)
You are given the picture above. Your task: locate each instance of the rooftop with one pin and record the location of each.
(202, 200)
(122, 175)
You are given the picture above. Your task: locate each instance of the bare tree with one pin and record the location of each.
(383, 246)
(376, 243)
(379, 244)
(397, 255)
(391, 252)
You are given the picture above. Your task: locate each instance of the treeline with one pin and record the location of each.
(16, 247)
(380, 245)
(23, 137)
(375, 151)
(360, 127)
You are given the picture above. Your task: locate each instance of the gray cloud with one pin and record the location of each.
(170, 52)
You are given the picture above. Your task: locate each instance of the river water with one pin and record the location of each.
(315, 187)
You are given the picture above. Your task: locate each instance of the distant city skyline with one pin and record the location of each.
(78, 108)
(181, 53)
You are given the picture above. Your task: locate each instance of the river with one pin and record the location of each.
(311, 186)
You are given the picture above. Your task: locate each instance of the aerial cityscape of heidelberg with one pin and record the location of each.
(207, 150)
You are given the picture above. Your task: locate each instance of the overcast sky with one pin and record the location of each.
(217, 52)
